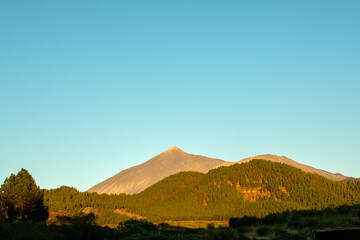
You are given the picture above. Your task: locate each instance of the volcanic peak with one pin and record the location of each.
(173, 149)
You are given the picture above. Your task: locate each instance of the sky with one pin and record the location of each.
(90, 88)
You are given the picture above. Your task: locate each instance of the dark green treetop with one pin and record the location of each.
(21, 198)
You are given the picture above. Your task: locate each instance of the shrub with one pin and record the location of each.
(137, 228)
(210, 226)
(342, 210)
(263, 231)
(242, 229)
(301, 236)
(164, 226)
(310, 223)
(78, 219)
(242, 237)
(143, 224)
(281, 234)
(244, 221)
(329, 223)
(294, 220)
(155, 237)
(275, 219)
(308, 213)
(221, 233)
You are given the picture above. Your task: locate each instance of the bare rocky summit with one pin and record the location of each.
(135, 179)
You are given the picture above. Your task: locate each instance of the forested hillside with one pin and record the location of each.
(68, 200)
(256, 188)
(149, 198)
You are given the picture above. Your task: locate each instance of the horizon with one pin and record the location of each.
(88, 89)
(172, 148)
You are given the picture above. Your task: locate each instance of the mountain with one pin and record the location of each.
(254, 188)
(135, 179)
(283, 159)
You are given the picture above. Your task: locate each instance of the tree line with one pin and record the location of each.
(257, 188)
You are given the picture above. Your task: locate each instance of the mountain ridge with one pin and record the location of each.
(286, 160)
(135, 179)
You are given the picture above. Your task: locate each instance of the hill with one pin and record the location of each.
(136, 179)
(256, 188)
(283, 159)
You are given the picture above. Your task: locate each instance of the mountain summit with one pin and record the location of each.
(174, 160)
(135, 179)
(173, 148)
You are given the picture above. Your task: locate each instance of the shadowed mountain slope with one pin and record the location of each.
(288, 161)
(135, 179)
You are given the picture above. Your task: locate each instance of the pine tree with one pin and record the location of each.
(21, 198)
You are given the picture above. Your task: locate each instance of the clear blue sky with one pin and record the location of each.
(89, 88)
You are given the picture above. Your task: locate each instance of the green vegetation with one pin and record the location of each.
(21, 199)
(149, 198)
(297, 224)
(288, 225)
(70, 201)
(257, 188)
(259, 199)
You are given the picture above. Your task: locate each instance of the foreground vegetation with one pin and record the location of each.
(258, 200)
(289, 225)
(21, 199)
